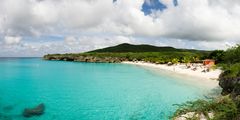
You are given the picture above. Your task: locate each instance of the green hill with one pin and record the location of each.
(125, 47)
(129, 52)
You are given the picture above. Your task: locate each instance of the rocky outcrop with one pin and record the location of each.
(85, 58)
(38, 110)
(192, 115)
(230, 85)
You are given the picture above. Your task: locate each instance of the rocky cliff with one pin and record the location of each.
(85, 58)
(230, 85)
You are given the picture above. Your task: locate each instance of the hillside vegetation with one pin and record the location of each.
(128, 52)
(125, 47)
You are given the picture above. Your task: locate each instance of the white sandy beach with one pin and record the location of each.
(207, 78)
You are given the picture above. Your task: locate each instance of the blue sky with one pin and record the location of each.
(147, 8)
(35, 28)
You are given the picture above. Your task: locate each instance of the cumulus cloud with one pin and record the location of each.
(69, 44)
(74, 44)
(202, 20)
(11, 40)
(34, 17)
(86, 43)
(78, 21)
(191, 19)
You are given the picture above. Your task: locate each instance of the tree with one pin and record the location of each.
(232, 55)
(217, 55)
(186, 59)
(175, 60)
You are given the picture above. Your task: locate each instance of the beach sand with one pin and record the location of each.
(207, 79)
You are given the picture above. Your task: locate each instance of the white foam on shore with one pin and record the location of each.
(197, 77)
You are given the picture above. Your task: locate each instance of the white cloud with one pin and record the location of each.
(191, 20)
(86, 43)
(202, 20)
(70, 44)
(70, 40)
(11, 40)
(74, 44)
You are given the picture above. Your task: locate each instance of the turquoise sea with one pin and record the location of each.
(89, 91)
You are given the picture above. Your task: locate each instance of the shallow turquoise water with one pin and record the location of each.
(89, 91)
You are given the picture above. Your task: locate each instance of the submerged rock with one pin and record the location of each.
(5, 117)
(8, 108)
(38, 110)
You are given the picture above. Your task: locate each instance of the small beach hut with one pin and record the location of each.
(209, 62)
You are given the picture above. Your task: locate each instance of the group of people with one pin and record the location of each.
(194, 67)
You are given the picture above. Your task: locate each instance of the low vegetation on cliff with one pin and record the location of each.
(222, 108)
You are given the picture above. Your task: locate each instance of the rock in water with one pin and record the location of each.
(38, 110)
(8, 108)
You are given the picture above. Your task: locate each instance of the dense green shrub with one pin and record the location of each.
(231, 70)
(217, 55)
(232, 55)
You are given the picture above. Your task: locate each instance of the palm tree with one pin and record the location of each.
(186, 60)
(175, 60)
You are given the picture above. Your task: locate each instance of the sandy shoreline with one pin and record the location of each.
(207, 78)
